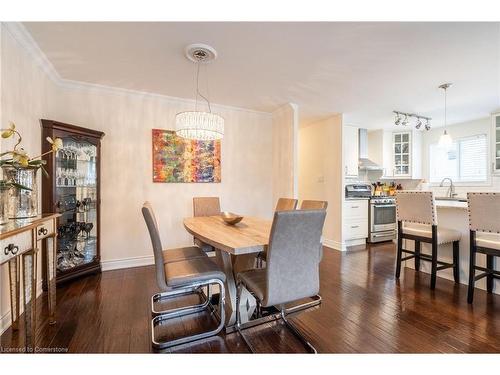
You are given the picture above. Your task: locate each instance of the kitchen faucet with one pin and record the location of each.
(451, 189)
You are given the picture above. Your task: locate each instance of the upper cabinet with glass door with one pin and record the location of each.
(495, 131)
(402, 152)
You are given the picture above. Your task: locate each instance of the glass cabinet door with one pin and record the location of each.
(76, 198)
(401, 152)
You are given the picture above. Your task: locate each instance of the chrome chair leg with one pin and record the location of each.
(297, 333)
(239, 288)
(187, 311)
(157, 297)
(316, 300)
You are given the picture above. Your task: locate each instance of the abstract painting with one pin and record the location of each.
(177, 159)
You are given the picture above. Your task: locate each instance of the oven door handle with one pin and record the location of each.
(383, 205)
(384, 235)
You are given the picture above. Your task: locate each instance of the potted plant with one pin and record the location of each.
(19, 175)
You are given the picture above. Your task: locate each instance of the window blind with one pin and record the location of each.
(465, 161)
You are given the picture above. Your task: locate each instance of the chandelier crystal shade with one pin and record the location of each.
(203, 126)
(200, 125)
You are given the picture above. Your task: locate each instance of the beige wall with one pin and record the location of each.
(320, 172)
(285, 150)
(127, 120)
(26, 95)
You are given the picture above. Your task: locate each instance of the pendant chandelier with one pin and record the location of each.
(200, 125)
(445, 140)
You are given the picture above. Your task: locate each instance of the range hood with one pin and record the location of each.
(366, 164)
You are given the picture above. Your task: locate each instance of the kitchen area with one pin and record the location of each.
(380, 162)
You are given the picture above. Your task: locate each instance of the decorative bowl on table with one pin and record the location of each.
(230, 218)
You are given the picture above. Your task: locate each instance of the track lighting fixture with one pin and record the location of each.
(403, 118)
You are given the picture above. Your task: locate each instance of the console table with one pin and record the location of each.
(20, 242)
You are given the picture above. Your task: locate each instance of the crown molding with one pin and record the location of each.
(25, 40)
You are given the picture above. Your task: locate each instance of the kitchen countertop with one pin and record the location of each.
(451, 204)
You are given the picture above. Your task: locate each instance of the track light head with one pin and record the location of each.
(419, 123)
(398, 120)
(405, 121)
(427, 125)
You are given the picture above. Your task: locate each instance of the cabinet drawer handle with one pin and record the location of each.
(11, 248)
(354, 206)
(43, 231)
(354, 226)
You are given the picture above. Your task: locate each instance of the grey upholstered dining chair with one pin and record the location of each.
(179, 272)
(205, 206)
(313, 205)
(484, 225)
(418, 209)
(292, 271)
(283, 204)
(286, 204)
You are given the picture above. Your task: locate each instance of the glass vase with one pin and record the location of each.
(22, 203)
(4, 205)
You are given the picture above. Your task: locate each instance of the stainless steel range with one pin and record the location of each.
(382, 219)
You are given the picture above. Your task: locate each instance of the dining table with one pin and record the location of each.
(236, 247)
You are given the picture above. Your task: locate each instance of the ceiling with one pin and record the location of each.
(364, 70)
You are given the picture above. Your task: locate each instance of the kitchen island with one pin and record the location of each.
(453, 214)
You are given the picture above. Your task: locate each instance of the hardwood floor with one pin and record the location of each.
(364, 310)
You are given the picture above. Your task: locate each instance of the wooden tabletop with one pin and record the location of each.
(16, 226)
(251, 235)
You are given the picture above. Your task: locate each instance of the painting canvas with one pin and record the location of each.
(177, 159)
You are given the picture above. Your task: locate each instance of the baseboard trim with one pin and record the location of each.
(5, 320)
(116, 264)
(335, 245)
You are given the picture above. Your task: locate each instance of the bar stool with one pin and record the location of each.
(484, 210)
(418, 209)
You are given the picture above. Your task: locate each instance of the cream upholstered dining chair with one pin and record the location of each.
(292, 271)
(417, 221)
(180, 272)
(313, 205)
(286, 204)
(205, 206)
(484, 225)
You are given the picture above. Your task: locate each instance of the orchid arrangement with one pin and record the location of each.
(18, 158)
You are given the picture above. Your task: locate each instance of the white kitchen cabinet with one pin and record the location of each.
(351, 151)
(355, 220)
(495, 137)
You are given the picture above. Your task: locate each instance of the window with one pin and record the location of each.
(465, 161)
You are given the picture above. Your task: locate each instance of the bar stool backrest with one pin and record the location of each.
(206, 206)
(286, 204)
(313, 205)
(293, 256)
(151, 223)
(416, 207)
(484, 212)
